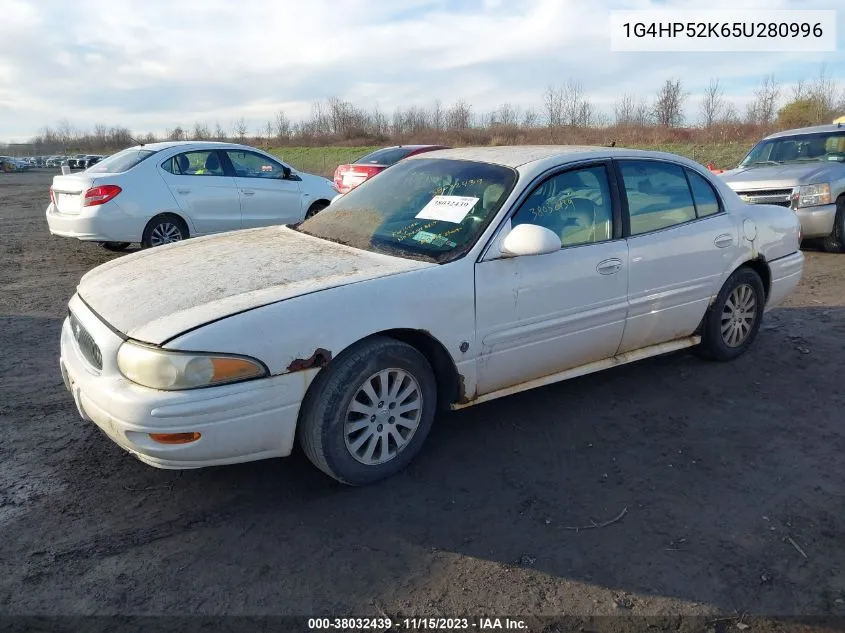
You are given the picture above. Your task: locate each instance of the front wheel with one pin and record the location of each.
(835, 242)
(732, 322)
(315, 208)
(368, 413)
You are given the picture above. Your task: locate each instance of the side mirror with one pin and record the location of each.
(285, 172)
(529, 239)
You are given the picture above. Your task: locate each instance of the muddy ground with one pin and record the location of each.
(718, 466)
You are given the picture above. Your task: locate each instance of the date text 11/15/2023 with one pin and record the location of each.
(416, 624)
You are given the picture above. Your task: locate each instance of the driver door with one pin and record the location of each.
(542, 314)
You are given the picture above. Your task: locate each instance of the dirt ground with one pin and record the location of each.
(732, 477)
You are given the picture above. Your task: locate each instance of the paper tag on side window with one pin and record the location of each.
(447, 208)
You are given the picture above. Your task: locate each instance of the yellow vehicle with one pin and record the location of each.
(840, 120)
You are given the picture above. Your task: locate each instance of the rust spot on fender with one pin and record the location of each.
(463, 397)
(320, 358)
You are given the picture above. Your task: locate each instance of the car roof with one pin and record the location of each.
(161, 145)
(530, 158)
(815, 129)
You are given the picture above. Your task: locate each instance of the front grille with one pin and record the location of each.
(87, 346)
(779, 197)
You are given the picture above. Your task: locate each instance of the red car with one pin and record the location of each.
(347, 177)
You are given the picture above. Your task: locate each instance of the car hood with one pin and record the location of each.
(778, 176)
(157, 294)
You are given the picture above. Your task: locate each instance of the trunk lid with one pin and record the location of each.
(157, 294)
(68, 192)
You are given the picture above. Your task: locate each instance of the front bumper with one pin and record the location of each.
(816, 221)
(105, 223)
(238, 423)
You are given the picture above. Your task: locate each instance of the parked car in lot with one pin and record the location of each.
(165, 192)
(54, 161)
(455, 277)
(92, 159)
(347, 177)
(804, 170)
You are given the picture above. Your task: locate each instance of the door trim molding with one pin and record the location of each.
(589, 368)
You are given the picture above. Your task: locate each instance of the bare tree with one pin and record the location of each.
(713, 104)
(823, 93)
(201, 131)
(437, 117)
(176, 134)
(553, 106)
(629, 111)
(530, 118)
(763, 107)
(240, 128)
(282, 125)
(459, 115)
(219, 132)
(668, 106)
(576, 110)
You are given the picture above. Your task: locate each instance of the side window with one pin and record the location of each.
(658, 195)
(250, 165)
(206, 163)
(575, 204)
(706, 200)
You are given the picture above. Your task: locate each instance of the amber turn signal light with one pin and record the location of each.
(175, 438)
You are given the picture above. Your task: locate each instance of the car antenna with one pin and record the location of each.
(136, 142)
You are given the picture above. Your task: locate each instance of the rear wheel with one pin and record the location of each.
(164, 229)
(368, 413)
(115, 246)
(835, 242)
(732, 322)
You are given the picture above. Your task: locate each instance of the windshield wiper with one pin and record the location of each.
(766, 162)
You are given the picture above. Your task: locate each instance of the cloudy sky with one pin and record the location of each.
(156, 64)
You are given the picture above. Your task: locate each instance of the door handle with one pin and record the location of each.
(183, 191)
(724, 240)
(248, 192)
(609, 266)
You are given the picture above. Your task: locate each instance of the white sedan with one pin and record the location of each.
(166, 192)
(453, 278)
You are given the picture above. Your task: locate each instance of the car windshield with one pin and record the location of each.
(797, 149)
(387, 156)
(430, 209)
(121, 162)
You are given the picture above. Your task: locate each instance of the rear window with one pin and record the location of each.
(121, 162)
(387, 156)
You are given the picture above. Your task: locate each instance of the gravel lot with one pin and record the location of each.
(718, 465)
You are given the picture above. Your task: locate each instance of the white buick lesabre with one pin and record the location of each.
(453, 278)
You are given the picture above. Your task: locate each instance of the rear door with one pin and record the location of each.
(680, 243)
(205, 193)
(266, 196)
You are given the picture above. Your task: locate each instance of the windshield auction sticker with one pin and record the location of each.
(447, 208)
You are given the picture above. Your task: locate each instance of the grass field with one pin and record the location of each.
(323, 160)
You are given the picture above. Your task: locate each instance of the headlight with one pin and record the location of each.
(172, 371)
(811, 195)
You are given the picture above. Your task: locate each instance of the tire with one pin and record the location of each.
(115, 247)
(164, 229)
(344, 432)
(315, 208)
(744, 292)
(835, 242)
